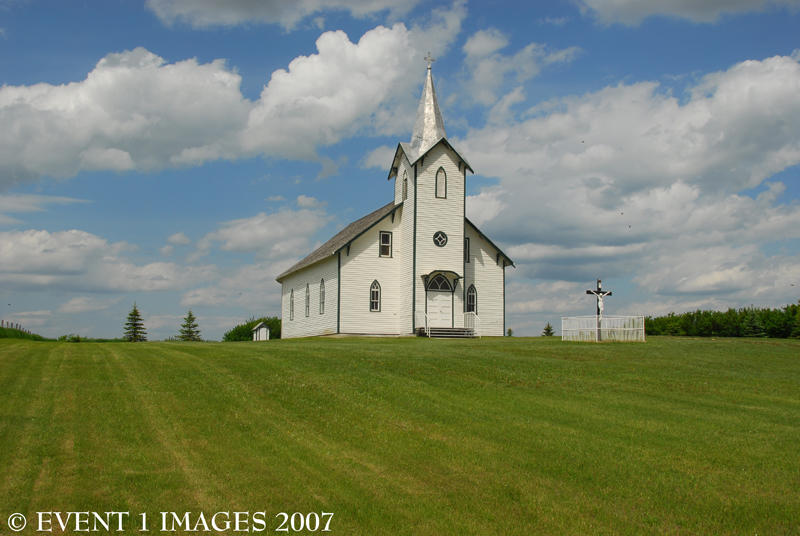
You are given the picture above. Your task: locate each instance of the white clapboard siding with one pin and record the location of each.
(437, 214)
(486, 274)
(363, 266)
(405, 249)
(314, 323)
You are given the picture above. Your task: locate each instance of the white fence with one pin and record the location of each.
(612, 328)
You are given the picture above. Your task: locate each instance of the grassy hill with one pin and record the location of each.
(11, 333)
(411, 436)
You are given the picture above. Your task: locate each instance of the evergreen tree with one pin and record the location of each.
(134, 327)
(189, 330)
(548, 330)
(752, 326)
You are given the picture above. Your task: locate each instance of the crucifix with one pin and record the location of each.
(599, 294)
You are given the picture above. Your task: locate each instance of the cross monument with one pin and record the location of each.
(599, 294)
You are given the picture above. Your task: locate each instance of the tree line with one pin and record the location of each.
(751, 321)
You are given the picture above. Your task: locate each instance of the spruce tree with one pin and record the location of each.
(752, 326)
(134, 327)
(189, 330)
(548, 330)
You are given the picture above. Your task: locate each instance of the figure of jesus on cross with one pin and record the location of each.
(599, 294)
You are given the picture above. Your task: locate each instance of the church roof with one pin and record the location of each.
(342, 238)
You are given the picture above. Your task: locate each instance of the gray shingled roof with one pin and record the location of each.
(342, 238)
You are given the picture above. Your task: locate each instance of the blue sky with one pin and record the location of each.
(179, 154)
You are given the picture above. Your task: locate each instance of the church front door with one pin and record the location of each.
(440, 309)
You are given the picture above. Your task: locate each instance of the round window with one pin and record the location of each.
(439, 238)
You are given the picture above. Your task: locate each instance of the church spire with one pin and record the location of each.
(429, 126)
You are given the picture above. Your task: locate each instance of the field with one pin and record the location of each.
(410, 436)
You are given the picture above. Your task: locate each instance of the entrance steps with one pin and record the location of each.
(448, 333)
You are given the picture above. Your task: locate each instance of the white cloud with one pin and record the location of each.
(163, 323)
(346, 87)
(179, 239)
(133, 111)
(484, 206)
(489, 68)
(632, 12)
(77, 260)
(380, 157)
(278, 235)
(251, 286)
(630, 181)
(208, 13)
(306, 201)
(167, 250)
(30, 319)
(23, 203)
(84, 304)
(136, 111)
(554, 21)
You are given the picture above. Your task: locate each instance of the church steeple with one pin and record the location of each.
(429, 126)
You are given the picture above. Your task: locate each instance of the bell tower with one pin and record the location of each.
(440, 174)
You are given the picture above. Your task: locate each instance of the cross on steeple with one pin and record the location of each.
(430, 59)
(599, 293)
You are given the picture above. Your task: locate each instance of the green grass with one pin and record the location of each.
(11, 333)
(412, 436)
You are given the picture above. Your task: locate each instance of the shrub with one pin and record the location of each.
(244, 332)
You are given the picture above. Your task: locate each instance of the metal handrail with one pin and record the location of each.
(472, 321)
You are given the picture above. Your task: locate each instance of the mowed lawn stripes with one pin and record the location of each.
(411, 436)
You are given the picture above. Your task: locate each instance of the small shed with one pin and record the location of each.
(261, 332)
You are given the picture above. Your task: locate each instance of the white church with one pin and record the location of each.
(416, 265)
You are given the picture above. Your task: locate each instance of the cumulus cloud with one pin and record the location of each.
(380, 157)
(80, 261)
(251, 286)
(179, 239)
(489, 68)
(275, 235)
(632, 12)
(208, 13)
(313, 101)
(306, 201)
(136, 111)
(631, 181)
(133, 111)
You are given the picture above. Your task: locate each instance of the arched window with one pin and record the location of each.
(308, 300)
(439, 283)
(441, 183)
(291, 304)
(322, 296)
(472, 299)
(375, 296)
(405, 185)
